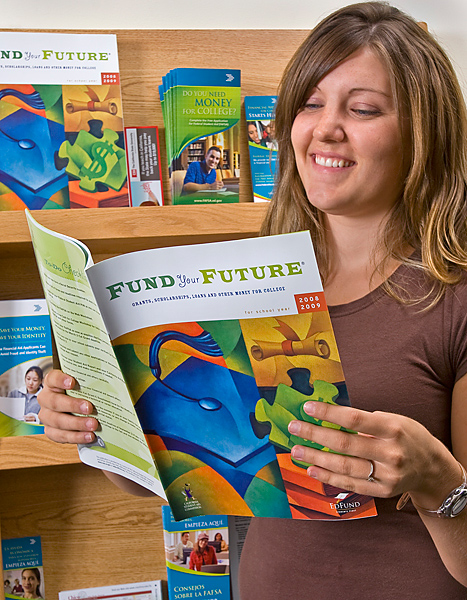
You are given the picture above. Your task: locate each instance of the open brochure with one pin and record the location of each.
(196, 358)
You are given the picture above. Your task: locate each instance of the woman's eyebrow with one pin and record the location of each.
(369, 89)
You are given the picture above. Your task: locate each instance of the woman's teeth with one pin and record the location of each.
(332, 162)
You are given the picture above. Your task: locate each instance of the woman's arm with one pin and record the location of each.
(69, 420)
(450, 535)
(406, 458)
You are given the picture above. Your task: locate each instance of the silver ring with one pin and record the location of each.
(370, 475)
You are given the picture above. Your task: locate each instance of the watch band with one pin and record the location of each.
(452, 506)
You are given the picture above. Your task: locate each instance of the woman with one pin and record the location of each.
(31, 582)
(218, 538)
(17, 589)
(372, 159)
(372, 132)
(33, 385)
(202, 554)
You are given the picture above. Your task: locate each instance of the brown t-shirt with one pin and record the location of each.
(395, 359)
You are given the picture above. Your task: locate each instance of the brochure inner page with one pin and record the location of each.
(85, 352)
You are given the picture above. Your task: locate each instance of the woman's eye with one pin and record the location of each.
(312, 105)
(366, 112)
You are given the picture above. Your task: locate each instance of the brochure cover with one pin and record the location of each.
(262, 144)
(23, 573)
(197, 556)
(144, 169)
(61, 125)
(201, 111)
(144, 590)
(25, 359)
(219, 351)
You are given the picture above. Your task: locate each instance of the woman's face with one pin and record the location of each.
(347, 141)
(202, 543)
(33, 381)
(29, 582)
(253, 133)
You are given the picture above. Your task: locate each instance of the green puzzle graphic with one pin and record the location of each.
(95, 160)
(288, 405)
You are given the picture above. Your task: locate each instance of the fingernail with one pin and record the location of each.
(91, 424)
(294, 427)
(88, 437)
(68, 383)
(297, 452)
(312, 473)
(309, 408)
(84, 408)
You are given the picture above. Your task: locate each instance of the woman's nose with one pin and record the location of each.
(329, 127)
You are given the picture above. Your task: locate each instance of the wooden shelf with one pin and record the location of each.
(35, 451)
(118, 230)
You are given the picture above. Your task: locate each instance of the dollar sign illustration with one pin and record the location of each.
(98, 166)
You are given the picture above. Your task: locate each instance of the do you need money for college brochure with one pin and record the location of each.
(196, 359)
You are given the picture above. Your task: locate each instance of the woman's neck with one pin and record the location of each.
(354, 253)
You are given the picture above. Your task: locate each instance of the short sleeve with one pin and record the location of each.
(458, 328)
(190, 176)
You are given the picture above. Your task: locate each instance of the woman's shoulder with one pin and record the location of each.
(414, 281)
(458, 292)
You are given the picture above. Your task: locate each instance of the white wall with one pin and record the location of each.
(447, 19)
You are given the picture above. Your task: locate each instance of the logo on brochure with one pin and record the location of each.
(188, 493)
(190, 501)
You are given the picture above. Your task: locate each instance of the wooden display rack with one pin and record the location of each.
(92, 533)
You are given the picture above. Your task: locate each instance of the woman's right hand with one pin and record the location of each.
(56, 411)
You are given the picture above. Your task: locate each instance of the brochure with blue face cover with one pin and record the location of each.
(262, 144)
(25, 359)
(23, 573)
(197, 556)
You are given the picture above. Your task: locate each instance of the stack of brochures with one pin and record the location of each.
(145, 590)
(195, 549)
(61, 122)
(201, 111)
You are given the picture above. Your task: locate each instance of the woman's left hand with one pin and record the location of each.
(399, 453)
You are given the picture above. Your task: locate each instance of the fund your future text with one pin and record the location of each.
(206, 276)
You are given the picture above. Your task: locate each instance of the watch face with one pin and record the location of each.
(459, 504)
(454, 503)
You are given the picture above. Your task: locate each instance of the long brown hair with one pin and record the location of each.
(431, 215)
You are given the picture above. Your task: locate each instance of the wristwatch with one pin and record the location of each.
(454, 503)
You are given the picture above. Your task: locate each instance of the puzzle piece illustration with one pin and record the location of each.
(288, 405)
(95, 160)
